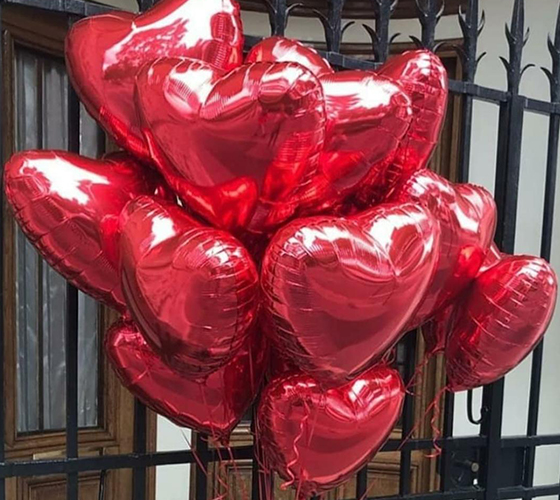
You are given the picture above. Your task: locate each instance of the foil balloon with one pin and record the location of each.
(424, 78)
(213, 406)
(493, 256)
(503, 317)
(367, 117)
(332, 285)
(315, 438)
(237, 147)
(467, 218)
(68, 206)
(104, 53)
(436, 330)
(192, 290)
(280, 49)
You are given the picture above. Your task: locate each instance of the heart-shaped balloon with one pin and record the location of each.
(367, 117)
(332, 286)
(192, 290)
(467, 216)
(424, 78)
(316, 439)
(436, 331)
(104, 54)
(68, 206)
(213, 406)
(240, 147)
(501, 320)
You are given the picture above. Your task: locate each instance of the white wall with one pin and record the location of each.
(540, 16)
(131, 5)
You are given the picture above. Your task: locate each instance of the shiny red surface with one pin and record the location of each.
(280, 49)
(367, 117)
(213, 406)
(501, 320)
(192, 290)
(104, 53)
(339, 291)
(240, 147)
(424, 79)
(316, 439)
(68, 206)
(467, 217)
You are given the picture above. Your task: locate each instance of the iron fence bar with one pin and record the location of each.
(139, 471)
(507, 188)
(407, 413)
(201, 491)
(145, 4)
(361, 482)
(71, 319)
(383, 9)
(546, 246)
(277, 16)
(2, 332)
(429, 14)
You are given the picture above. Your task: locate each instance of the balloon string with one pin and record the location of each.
(417, 376)
(217, 442)
(201, 465)
(295, 450)
(436, 432)
(432, 406)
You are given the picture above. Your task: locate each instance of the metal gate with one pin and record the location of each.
(489, 448)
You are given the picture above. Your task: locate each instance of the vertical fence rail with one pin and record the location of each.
(546, 245)
(71, 323)
(507, 188)
(2, 301)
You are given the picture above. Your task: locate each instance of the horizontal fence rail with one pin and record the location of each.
(489, 445)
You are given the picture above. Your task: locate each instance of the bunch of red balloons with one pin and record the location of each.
(272, 205)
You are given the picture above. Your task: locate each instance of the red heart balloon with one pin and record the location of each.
(213, 406)
(237, 147)
(367, 117)
(104, 54)
(68, 206)
(467, 216)
(424, 78)
(436, 331)
(316, 439)
(503, 317)
(332, 286)
(192, 290)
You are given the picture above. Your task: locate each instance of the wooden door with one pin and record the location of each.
(384, 469)
(35, 116)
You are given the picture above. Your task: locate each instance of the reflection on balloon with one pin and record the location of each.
(237, 147)
(192, 290)
(367, 117)
(68, 206)
(213, 406)
(316, 439)
(104, 53)
(467, 217)
(503, 317)
(424, 78)
(332, 286)
(280, 49)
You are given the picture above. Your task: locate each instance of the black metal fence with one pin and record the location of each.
(489, 448)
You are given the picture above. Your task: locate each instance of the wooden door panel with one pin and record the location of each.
(41, 34)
